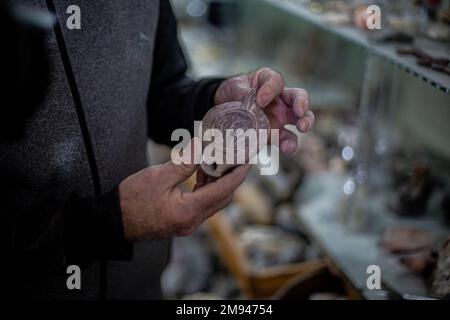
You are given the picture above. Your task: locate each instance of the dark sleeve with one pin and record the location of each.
(55, 228)
(175, 101)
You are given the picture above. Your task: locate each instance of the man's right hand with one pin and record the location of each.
(153, 207)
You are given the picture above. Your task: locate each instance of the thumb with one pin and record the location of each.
(190, 159)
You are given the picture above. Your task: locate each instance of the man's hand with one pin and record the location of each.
(282, 105)
(153, 207)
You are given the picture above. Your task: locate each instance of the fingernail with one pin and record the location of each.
(288, 146)
(264, 99)
(308, 124)
(304, 125)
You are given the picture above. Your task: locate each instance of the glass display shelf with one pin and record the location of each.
(321, 215)
(388, 51)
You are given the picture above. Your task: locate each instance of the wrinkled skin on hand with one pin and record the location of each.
(154, 207)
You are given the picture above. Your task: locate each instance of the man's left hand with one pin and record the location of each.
(282, 105)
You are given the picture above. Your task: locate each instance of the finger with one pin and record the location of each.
(297, 99)
(305, 123)
(211, 180)
(269, 84)
(202, 179)
(211, 194)
(179, 172)
(288, 141)
(236, 87)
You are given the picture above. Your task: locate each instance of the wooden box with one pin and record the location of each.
(255, 284)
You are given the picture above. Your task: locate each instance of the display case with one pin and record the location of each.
(375, 170)
(377, 166)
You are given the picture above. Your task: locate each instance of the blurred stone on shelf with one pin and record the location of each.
(441, 281)
(196, 272)
(398, 239)
(268, 246)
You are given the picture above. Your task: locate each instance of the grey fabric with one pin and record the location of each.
(112, 61)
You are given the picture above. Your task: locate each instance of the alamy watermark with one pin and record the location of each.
(373, 21)
(232, 147)
(73, 22)
(73, 281)
(373, 281)
(373, 17)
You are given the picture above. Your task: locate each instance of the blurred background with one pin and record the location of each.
(368, 186)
